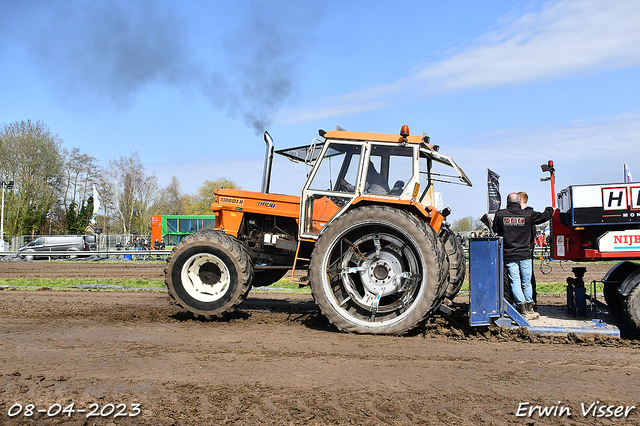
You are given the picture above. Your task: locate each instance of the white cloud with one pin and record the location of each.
(583, 153)
(563, 38)
(596, 140)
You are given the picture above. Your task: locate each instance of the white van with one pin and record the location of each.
(71, 243)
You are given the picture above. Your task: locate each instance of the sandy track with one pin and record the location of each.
(86, 269)
(277, 362)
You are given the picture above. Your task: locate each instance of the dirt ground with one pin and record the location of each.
(144, 270)
(276, 361)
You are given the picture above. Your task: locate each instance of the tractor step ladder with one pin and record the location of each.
(303, 281)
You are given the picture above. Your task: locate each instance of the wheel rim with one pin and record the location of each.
(205, 277)
(373, 274)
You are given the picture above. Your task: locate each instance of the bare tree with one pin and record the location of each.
(170, 199)
(146, 197)
(134, 193)
(106, 188)
(80, 176)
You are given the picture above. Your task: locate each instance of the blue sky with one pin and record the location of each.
(192, 85)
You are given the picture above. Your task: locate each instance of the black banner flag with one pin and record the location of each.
(493, 190)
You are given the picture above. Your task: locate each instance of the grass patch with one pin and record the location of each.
(552, 288)
(287, 284)
(69, 282)
(561, 288)
(133, 283)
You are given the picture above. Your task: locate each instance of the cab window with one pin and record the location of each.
(338, 170)
(389, 170)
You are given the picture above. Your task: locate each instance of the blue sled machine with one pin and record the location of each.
(487, 304)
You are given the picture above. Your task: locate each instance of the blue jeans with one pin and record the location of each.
(520, 276)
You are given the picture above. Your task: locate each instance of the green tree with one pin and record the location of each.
(72, 218)
(464, 224)
(200, 203)
(77, 222)
(31, 156)
(467, 224)
(84, 215)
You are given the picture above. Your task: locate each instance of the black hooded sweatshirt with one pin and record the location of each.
(516, 226)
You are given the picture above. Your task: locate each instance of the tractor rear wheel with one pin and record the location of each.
(209, 274)
(376, 270)
(457, 262)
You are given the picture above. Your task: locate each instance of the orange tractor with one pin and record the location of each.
(380, 256)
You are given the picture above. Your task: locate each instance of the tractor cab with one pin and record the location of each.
(351, 168)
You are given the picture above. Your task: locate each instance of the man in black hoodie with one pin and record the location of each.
(515, 226)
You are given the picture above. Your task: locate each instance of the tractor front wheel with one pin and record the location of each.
(377, 270)
(209, 274)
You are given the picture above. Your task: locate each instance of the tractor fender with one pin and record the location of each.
(629, 283)
(625, 276)
(428, 214)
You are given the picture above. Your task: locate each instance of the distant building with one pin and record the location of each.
(172, 228)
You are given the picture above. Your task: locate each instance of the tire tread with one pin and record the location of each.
(632, 307)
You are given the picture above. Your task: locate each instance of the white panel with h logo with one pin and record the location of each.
(614, 198)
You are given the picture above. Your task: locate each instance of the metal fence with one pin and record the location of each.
(103, 241)
(107, 248)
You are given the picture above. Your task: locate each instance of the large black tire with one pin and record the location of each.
(611, 296)
(265, 277)
(443, 264)
(376, 270)
(209, 274)
(457, 262)
(632, 307)
(613, 279)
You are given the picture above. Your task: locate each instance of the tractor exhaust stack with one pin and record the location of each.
(268, 160)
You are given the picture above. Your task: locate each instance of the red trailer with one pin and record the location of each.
(596, 223)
